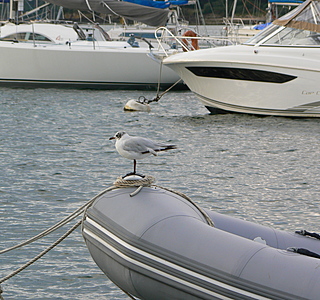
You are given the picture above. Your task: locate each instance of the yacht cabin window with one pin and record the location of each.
(26, 37)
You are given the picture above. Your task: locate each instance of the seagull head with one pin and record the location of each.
(118, 135)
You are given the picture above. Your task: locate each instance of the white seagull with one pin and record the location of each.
(136, 147)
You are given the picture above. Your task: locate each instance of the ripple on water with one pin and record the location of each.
(55, 155)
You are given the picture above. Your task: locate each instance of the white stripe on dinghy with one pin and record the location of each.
(166, 263)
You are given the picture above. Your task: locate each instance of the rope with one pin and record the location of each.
(123, 183)
(61, 223)
(43, 234)
(307, 233)
(204, 214)
(66, 220)
(30, 262)
(159, 78)
(147, 181)
(144, 100)
(108, 7)
(88, 5)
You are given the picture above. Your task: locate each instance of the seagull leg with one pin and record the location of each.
(134, 171)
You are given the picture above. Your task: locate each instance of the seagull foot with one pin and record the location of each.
(133, 174)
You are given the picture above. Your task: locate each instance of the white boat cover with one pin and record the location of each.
(305, 17)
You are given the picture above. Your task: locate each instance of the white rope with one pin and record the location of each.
(30, 262)
(123, 183)
(108, 7)
(119, 183)
(88, 4)
(147, 181)
(61, 223)
(204, 214)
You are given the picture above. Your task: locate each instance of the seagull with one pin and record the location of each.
(136, 147)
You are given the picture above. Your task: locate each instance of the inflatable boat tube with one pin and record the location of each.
(158, 245)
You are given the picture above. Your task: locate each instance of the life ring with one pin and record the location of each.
(194, 42)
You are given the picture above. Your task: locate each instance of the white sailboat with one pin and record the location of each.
(47, 55)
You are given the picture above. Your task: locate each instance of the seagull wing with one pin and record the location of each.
(163, 147)
(144, 146)
(152, 151)
(136, 144)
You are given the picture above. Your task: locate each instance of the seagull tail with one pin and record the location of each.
(167, 147)
(161, 148)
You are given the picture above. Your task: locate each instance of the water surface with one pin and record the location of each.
(55, 155)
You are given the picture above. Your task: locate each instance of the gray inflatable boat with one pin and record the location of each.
(156, 244)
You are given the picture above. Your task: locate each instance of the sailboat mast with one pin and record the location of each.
(11, 10)
(233, 10)
(227, 10)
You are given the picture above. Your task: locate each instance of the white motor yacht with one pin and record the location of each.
(277, 72)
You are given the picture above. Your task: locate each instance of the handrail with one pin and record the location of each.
(165, 33)
(166, 30)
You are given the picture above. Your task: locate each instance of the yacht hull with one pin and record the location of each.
(247, 79)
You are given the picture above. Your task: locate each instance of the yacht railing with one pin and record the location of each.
(164, 37)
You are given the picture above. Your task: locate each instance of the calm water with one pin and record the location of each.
(55, 156)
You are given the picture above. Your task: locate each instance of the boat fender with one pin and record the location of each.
(306, 233)
(194, 42)
(303, 251)
(133, 105)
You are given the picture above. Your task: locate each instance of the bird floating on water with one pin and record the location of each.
(136, 147)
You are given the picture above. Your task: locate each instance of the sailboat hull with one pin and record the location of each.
(80, 66)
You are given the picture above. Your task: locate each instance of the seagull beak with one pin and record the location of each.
(112, 138)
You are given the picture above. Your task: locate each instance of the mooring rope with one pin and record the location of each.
(144, 100)
(46, 232)
(61, 223)
(30, 262)
(123, 183)
(204, 214)
(49, 230)
(1, 298)
(146, 181)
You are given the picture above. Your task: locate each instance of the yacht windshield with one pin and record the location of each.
(300, 27)
(262, 35)
(292, 36)
(285, 36)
